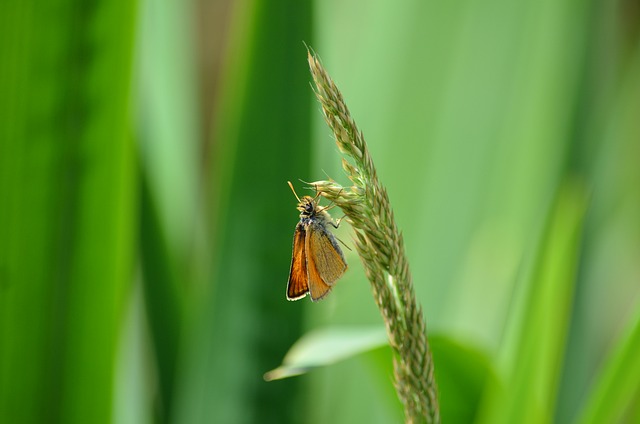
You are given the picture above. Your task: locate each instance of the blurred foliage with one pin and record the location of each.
(68, 206)
(146, 225)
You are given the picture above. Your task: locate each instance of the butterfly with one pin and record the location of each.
(317, 261)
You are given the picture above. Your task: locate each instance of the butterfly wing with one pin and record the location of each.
(325, 262)
(298, 277)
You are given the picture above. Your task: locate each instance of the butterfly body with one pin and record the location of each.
(317, 261)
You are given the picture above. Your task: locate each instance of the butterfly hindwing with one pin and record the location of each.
(325, 263)
(326, 253)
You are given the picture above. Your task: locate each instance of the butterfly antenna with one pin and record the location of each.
(294, 191)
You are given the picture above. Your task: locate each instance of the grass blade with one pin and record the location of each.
(535, 349)
(616, 394)
(68, 178)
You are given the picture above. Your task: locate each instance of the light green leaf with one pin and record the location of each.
(328, 346)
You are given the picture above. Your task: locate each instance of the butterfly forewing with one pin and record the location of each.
(298, 278)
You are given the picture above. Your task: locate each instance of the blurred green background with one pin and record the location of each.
(146, 224)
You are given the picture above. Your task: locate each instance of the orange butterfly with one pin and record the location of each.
(317, 261)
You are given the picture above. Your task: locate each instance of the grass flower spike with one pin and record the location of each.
(380, 246)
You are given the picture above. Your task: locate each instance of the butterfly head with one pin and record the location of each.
(307, 207)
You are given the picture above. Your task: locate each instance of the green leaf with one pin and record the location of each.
(327, 346)
(462, 372)
(68, 210)
(534, 349)
(616, 394)
(242, 322)
(162, 295)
